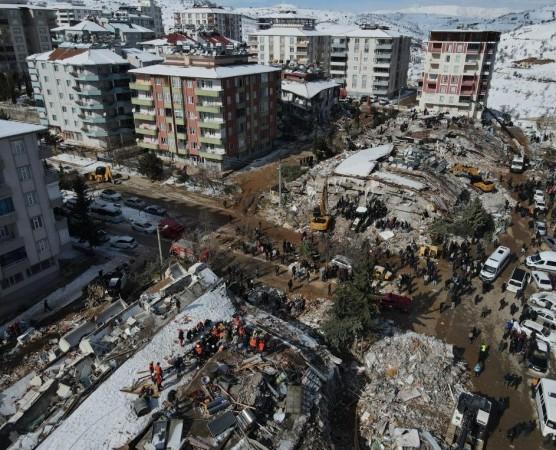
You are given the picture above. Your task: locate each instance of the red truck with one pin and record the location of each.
(170, 229)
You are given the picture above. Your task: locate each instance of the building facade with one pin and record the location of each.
(377, 62)
(214, 111)
(309, 101)
(291, 45)
(286, 20)
(225, 22)
(31, 235)
(84, 94)
(458, 70)
(24, 30)
(68, 14)
(151, 9)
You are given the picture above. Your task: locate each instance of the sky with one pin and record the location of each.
(369, 5)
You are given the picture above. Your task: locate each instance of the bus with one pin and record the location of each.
(106, 213)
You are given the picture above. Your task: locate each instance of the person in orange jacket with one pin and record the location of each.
(158, 376)
(261, 345)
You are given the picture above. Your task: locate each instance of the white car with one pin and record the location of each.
(134, 202)
(542, 280)
(540, 227)
(124, 242)
(383, 102)
(543, 333)
(539, 195)
(540, 204)
(544, 300)
(545, 316)
(110, 196)
(143, 226)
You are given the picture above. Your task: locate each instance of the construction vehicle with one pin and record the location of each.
(461, 170)
(483, 185)
(468, 427)
(102, 174)
(321, 220)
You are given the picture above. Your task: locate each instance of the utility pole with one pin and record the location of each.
(280, 183)
(159, 250)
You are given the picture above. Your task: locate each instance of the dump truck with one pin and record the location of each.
(321, 220)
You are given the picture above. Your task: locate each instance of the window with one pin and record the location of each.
(12, 281)
(48, 92)
(354, 82)
(189, 83)
(64, 109)
(189, 99)
(68, 83)
(6, 232)
(31, 198)
(39, 267)
(18, 148)
(24, 173)
(12, 257)
(36, 222)
(42, 245)
(6, 206)
(61, 95)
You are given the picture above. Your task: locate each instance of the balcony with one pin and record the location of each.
(384, 47)
(179, 121)
(150, 145)
(144, 116)
(210, 108)
(208, 139)
(215, 93)
(141, 86)
(149, 131)
(212, 124)
(93, 118)
(86, 76)
(142, 101)
(91, 92)
(94, 105)
(181, 136)
(212, 156)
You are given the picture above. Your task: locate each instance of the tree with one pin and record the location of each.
(151, 166)
(354, 309)
(83, 226)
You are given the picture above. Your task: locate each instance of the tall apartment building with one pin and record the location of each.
(151, 9)
(225, 22)
(146, 14)
(84, 94)
(24, 30)
(458, 70)
(338, 57)
(377, 62)
(31, 236)
(286, 19)
(285, 45)
(217, 111)
(69, 14)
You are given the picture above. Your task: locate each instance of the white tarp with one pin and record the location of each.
(362, 163)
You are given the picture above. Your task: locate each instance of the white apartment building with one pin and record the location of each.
(377, 62)
(458, 70)
(24, 30)
(285, 45)
(84, 94)
(226, 22)
(68, 14)
(151, 9)
(31, 236)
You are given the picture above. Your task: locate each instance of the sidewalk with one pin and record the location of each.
(64, 296)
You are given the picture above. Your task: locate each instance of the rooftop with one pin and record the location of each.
(10, 128)
(205, 72)
(283, 31)
(80, 57)
(85, 25)
(307, 89)
(376, 33)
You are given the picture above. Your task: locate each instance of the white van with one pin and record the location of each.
(495, 264)
(545, 399)
(542, 261)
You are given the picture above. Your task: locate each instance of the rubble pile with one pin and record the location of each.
(414, 382)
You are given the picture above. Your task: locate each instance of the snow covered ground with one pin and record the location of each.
(105, 420)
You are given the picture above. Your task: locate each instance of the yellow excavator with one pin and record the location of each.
(321, 219)
(102, 174)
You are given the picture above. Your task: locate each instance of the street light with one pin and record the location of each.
(160, 246)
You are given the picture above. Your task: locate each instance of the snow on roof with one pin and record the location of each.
(128, 27)
(85, 25)
(9, 128)
(22, 5)
(205, 72)
(388, 177)
(156, 42)
(85, 57)
(71, 6)
(307, 89)
(284, 31)
(106, 419)
(209, 10)
(335, 29)
(142, 55)
(373, 33)
(362, 163)
(286, 15)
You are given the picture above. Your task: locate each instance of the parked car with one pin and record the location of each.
(540, 227)
(124, 242)
(539, 195)
(518, 281)
(540, 204)
(538, 356)
(110, 196)
(102, 236)
(544, 300)
(155, 210)
(383, 102)
(529, 327)
(134, 202)
(544, 316)
(542, 261)
(542, 280)
(143, 226)
(170, 228)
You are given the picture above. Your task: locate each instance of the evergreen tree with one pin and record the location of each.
(151, 166)
(83, 226)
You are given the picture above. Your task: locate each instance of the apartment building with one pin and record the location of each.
(377, 62)
(291, 45)
(458, 70)
(218, 111)
(146, 14)
(68, 14)
(309, 101)
(31, 236)
(84, 95)
(151, 9)
(24, 30)
(225, 22)
(286, 19)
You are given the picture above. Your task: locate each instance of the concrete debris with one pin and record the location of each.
(414, 384)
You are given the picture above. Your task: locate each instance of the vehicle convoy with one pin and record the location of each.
(321, 220)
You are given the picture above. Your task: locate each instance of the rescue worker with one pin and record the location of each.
(181, 337)
(158, 376)
(151, 370)
(199, 350)
(261, 346)
(253, 342)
